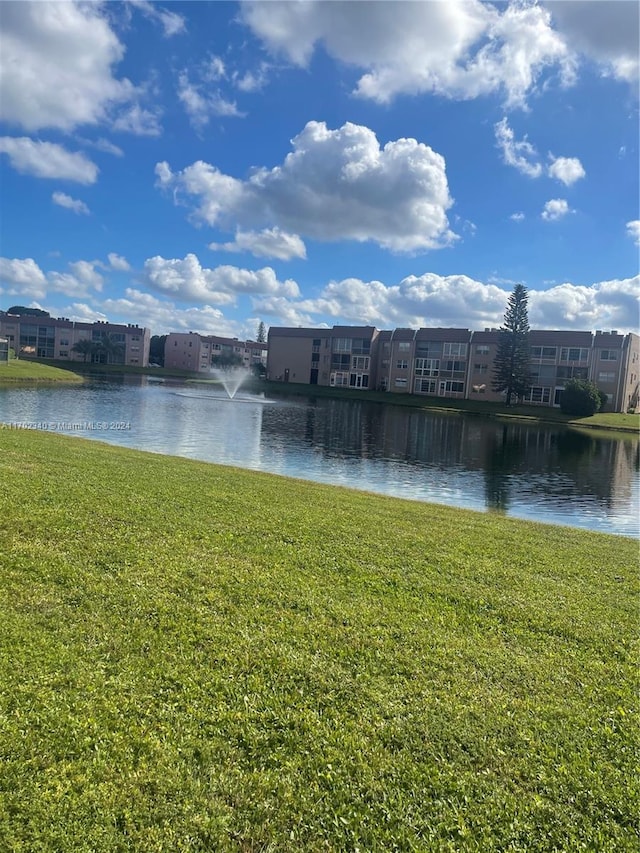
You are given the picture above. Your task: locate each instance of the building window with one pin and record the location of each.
(339, 361)
(64, 342)
(360, 346)
(606, 377)
(454, 349)
(544, 352)
(427, 366)
(425, 386)
(402, 364)
(482, 349)
(339, 379)
(609, 355)
(571, 373)
(315, 358)
(574, 354)
(360, 362)
(64, 353)
(359, 380)
(480, 368)
(341, 345)
(451, 387)
(538, 395)
(404, 346)
(400, 383)
(455, 366)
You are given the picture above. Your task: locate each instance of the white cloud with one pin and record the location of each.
(568, 170)
(252, 81)
(48, 160)
(633, 231)
(163, 316)
(117, 262)
(101, 145)
(74, 204)
(185, 279)
(139, 121)
(606, 32)
(334, 185)
(171, 23)
(458, 49)
(518, 216)
(555, 209)
(82, 279)
(604, 305)
(56, 65)
(457, 301)
(521, 155)
(268, 243)
(22, 277)
(201, 107)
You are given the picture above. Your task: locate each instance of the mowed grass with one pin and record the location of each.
(198, 658)
(29, 371)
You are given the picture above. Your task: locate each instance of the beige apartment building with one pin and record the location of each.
(192, 351)
(453, 363)
(47, 337)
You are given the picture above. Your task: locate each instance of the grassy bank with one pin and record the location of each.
(197, 658)
(29, 372)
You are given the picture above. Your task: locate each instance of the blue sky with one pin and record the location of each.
(206, 166)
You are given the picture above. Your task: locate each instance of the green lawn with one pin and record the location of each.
(198, 658)
(29, 371)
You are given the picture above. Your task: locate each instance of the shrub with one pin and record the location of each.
(580, 398)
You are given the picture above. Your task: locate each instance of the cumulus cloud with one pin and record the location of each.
(186, 279)
(555, 209)
(164, 316)
(139, 121)
(48, 160)
(633, 231)
(22, 277)
(518, 216)
(268, 243)
(334, 185)
(74, 204)
(457, 301)
(521, 155)
(201, 105)
(56, 66)
(458, 49)
(101, 145)
(81, 280)
(568, 170)
(608, 33)
(117, 262)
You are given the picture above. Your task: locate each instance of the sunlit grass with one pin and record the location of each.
(201, 658)
(18, 370)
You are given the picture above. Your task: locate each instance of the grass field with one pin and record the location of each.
(197, 658)
(29, 371)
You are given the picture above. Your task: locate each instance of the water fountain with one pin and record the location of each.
(231, 378)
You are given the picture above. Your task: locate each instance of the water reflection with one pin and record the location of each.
(545, 473)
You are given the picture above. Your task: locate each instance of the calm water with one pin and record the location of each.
(544, 473)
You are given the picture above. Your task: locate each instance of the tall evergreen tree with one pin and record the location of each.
(511, 370)
(262, 333)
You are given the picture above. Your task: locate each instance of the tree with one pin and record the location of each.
(156, 349)
(225, 361)
(109, 350)
(22, 310)
(580, 398)
(262, 333)
(511, 373)
(84, 347)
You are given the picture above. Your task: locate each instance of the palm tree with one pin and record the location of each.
(111, 349)
(84, 347)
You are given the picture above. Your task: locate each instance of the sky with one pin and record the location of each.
(209, 166)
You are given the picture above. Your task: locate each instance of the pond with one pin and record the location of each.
(541, 472)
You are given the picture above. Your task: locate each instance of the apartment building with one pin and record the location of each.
(453, 362)
(340, 357)
(47, 337)
(192, 351)
(4, 349)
